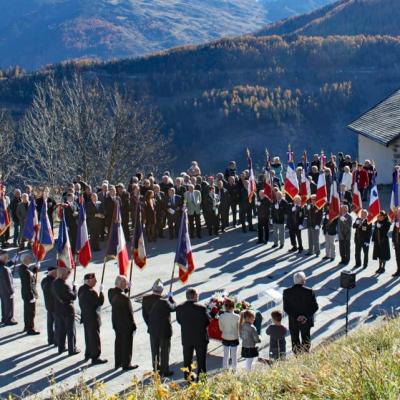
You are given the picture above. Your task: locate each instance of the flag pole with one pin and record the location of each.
(130, 277)
(104, 268)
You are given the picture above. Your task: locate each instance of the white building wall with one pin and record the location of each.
(382, 155)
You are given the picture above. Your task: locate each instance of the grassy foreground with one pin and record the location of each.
(365, 365)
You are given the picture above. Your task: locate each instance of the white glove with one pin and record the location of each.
(12, 296)
(276, 206)
(101, 288)
(301, 227)
(358, 222)
(397, 224)
(342, 218)
(366, 244)
(171, 211)
(294, 208)
(170, 294)
(33, 300)
(129, 285)
(316, 227)
(378, 225)
(308, 206)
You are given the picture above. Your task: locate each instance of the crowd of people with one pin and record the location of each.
(220, 201)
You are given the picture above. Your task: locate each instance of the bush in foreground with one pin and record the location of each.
(365, 365)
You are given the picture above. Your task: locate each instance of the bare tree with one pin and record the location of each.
(79, 126)
(8, 158)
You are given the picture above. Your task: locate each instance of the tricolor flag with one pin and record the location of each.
(321, 199)
(139, 250)
(374, 207)
(117, 245)
(394, 200)
(45, 239)
(4, 217)
(65, 257)
(31, 227)
(291, 185)
(183, 256)
(82, 238)
(334, 202)
(268, 193)
(305, 190)
(252, 181)
(356, 199)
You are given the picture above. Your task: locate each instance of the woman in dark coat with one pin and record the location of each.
(149, 216)
(381, 241)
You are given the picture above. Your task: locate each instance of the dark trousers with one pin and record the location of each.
(29, 316)
(212, 222)
(233, 208)
(263, 230)
(66, 329)
(246, 215)
(295, 234)
(7, 308)
(16, 232)
(201, 355)
(123, 348)
(358, 249)
(224, 217)
(160, 223)
(160, 349)
(173, 225)
(5, 236)
(303, 330)
(125, 228)
(397, 252)
(52, 333)
(92, 340)
(344, 250)
(194, 220)
(95, 241)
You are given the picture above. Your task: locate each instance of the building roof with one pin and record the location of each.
(382, 122)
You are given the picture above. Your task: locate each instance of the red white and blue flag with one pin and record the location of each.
(65, 257)
(82, 238)
(374, 207)
(45, 239)
(394, 200)
(334, 202)
(322, 195)
(31, 227)
(139, 250)
(291, 184)
(268, 178)
(305, 189)
(252, 181)
(356, 199)
(4, 217)
(117, 247)
(184, 256)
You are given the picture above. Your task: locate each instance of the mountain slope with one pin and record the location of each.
(347, 17)
(39, 32)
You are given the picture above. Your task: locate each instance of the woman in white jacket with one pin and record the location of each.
(347, 178)
(229, 326)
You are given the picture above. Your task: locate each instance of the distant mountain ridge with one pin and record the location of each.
(34, 33)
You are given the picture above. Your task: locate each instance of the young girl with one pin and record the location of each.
(229, 326)
(249, 336)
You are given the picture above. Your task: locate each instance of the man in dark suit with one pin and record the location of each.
(108, 207)
(245, 208)
(49, 302)
(95, 221)
(71, 219)
(362, 238)
(123, 324)
(174, 208)
(29, 293)
(157, 315)
(233, 190)
(90, 303)
(300, 304)
(223, 207)
(125, 208)
(6, 291)
(194, 320)
(160, 206)
(65, 296)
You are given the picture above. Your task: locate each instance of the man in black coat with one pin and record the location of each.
(108, 207)
(245, 207)
(160, 206)
(362, 238)
(233, 190)
(71, 219)
(314, 221)
(49, 302)
(263, 214)
(13, 212)
(65, 296)
(123, 324)
(300, 304)
(29, 293)
(95, 221)
(223, 207)
(125, 209)
(295, 218)
(174, 209)
(157, 316)
(6, 291)
(278, 211)
(194, 320)
(90, 303)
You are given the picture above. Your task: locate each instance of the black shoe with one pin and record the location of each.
(325, 258)
(292, 250)
(332, 259)
(300, 250)
(199, 236)
(379, 271)
(167, 374)
(281, 246)
(33, 332)
(61, 351)
(274, 245)
(308, 254)
(99, 361)
(252, 230)
(356, 266)
(397, 273)
(74, 353)
(12, 322)
(130, 367)
(260, 242)
(317, 255)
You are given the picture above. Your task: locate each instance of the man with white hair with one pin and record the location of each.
(300, 303)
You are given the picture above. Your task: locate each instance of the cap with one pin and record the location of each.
(89, 276)
(158, 286)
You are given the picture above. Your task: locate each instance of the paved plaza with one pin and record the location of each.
(233, 262)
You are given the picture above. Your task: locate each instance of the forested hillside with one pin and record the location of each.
(251, 91)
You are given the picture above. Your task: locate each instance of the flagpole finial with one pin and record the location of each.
(248, 152)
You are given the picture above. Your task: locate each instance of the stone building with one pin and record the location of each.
(378, 133)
